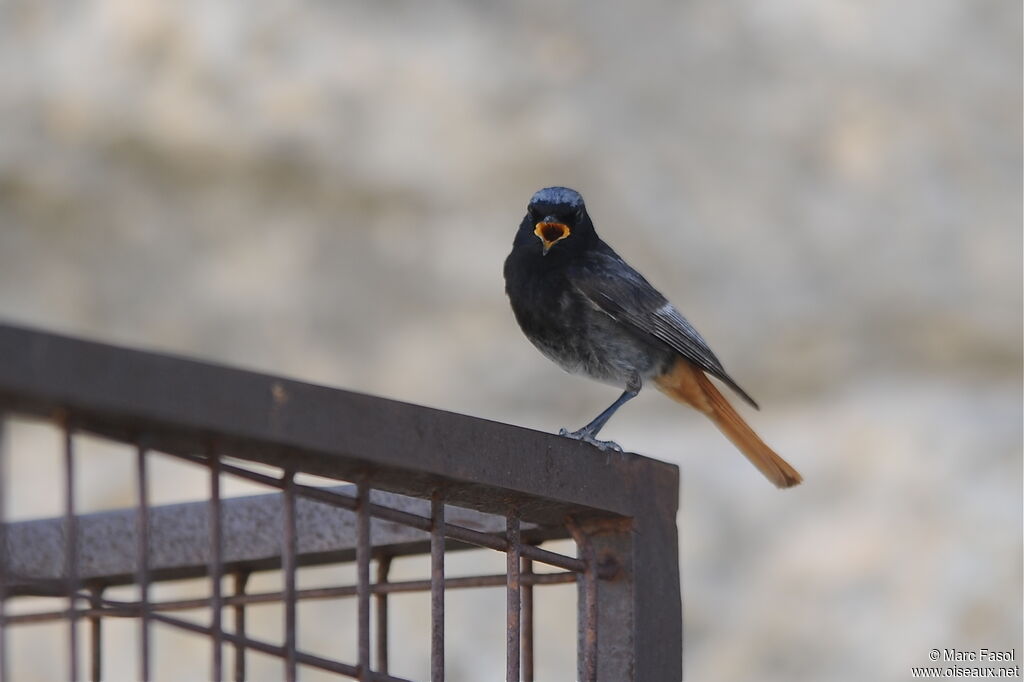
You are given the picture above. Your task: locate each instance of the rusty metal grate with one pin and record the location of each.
(419, 482)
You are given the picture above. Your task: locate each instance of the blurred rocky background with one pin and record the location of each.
(829, 190)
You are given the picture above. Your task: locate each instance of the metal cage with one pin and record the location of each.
(419, 481)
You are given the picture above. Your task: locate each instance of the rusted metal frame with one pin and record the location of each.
(588, 607)
(301, 657)
(559, 578)
(590, 625)
(216, 568)
(437, 587)
(288, 566)
(629, 606)
(323, 431)
(239, 581)
(363, 576)
(455, 532)
(512, 632)
(637, 595)
(526, 582)
(44, 372)
(142, 557)
(70, 547)
(381, 597)
(107, 544)
(117, 609)
(652, 579)
(96, 633)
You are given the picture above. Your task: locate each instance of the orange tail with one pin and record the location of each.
(688, 384)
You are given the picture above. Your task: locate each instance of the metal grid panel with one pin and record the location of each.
(619, 509)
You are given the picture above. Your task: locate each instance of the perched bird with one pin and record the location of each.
(587, 310)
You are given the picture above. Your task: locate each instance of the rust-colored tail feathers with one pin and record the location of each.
(688, 384)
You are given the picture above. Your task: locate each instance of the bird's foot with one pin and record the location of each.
(587, 437)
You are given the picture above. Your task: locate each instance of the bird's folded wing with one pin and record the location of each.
(619, 291)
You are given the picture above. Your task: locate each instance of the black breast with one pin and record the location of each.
(566, 327)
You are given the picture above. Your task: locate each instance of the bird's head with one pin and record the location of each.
(558, 218)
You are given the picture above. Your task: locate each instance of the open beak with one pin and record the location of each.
(550, 232)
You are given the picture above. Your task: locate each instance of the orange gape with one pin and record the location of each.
(688, 384)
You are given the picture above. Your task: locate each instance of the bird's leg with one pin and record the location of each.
(587, 433)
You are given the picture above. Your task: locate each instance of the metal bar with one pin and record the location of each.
(70, 548)
(437, 588)
(590, 627)
(363, 573)
(131, 609)
(301, 657)
(383, 569)
(107, 553)
(527, 637)
(587, 645)
(423, 523)
(96, 634)
(648, 583)
(512, 593)
(216, 569)
(452, 531)
(321, 431)
(288, 568)
(241, 578)
(258, 645)
(142, 558)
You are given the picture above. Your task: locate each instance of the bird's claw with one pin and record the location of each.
(587, 437)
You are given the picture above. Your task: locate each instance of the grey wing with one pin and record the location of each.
(622, 293)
